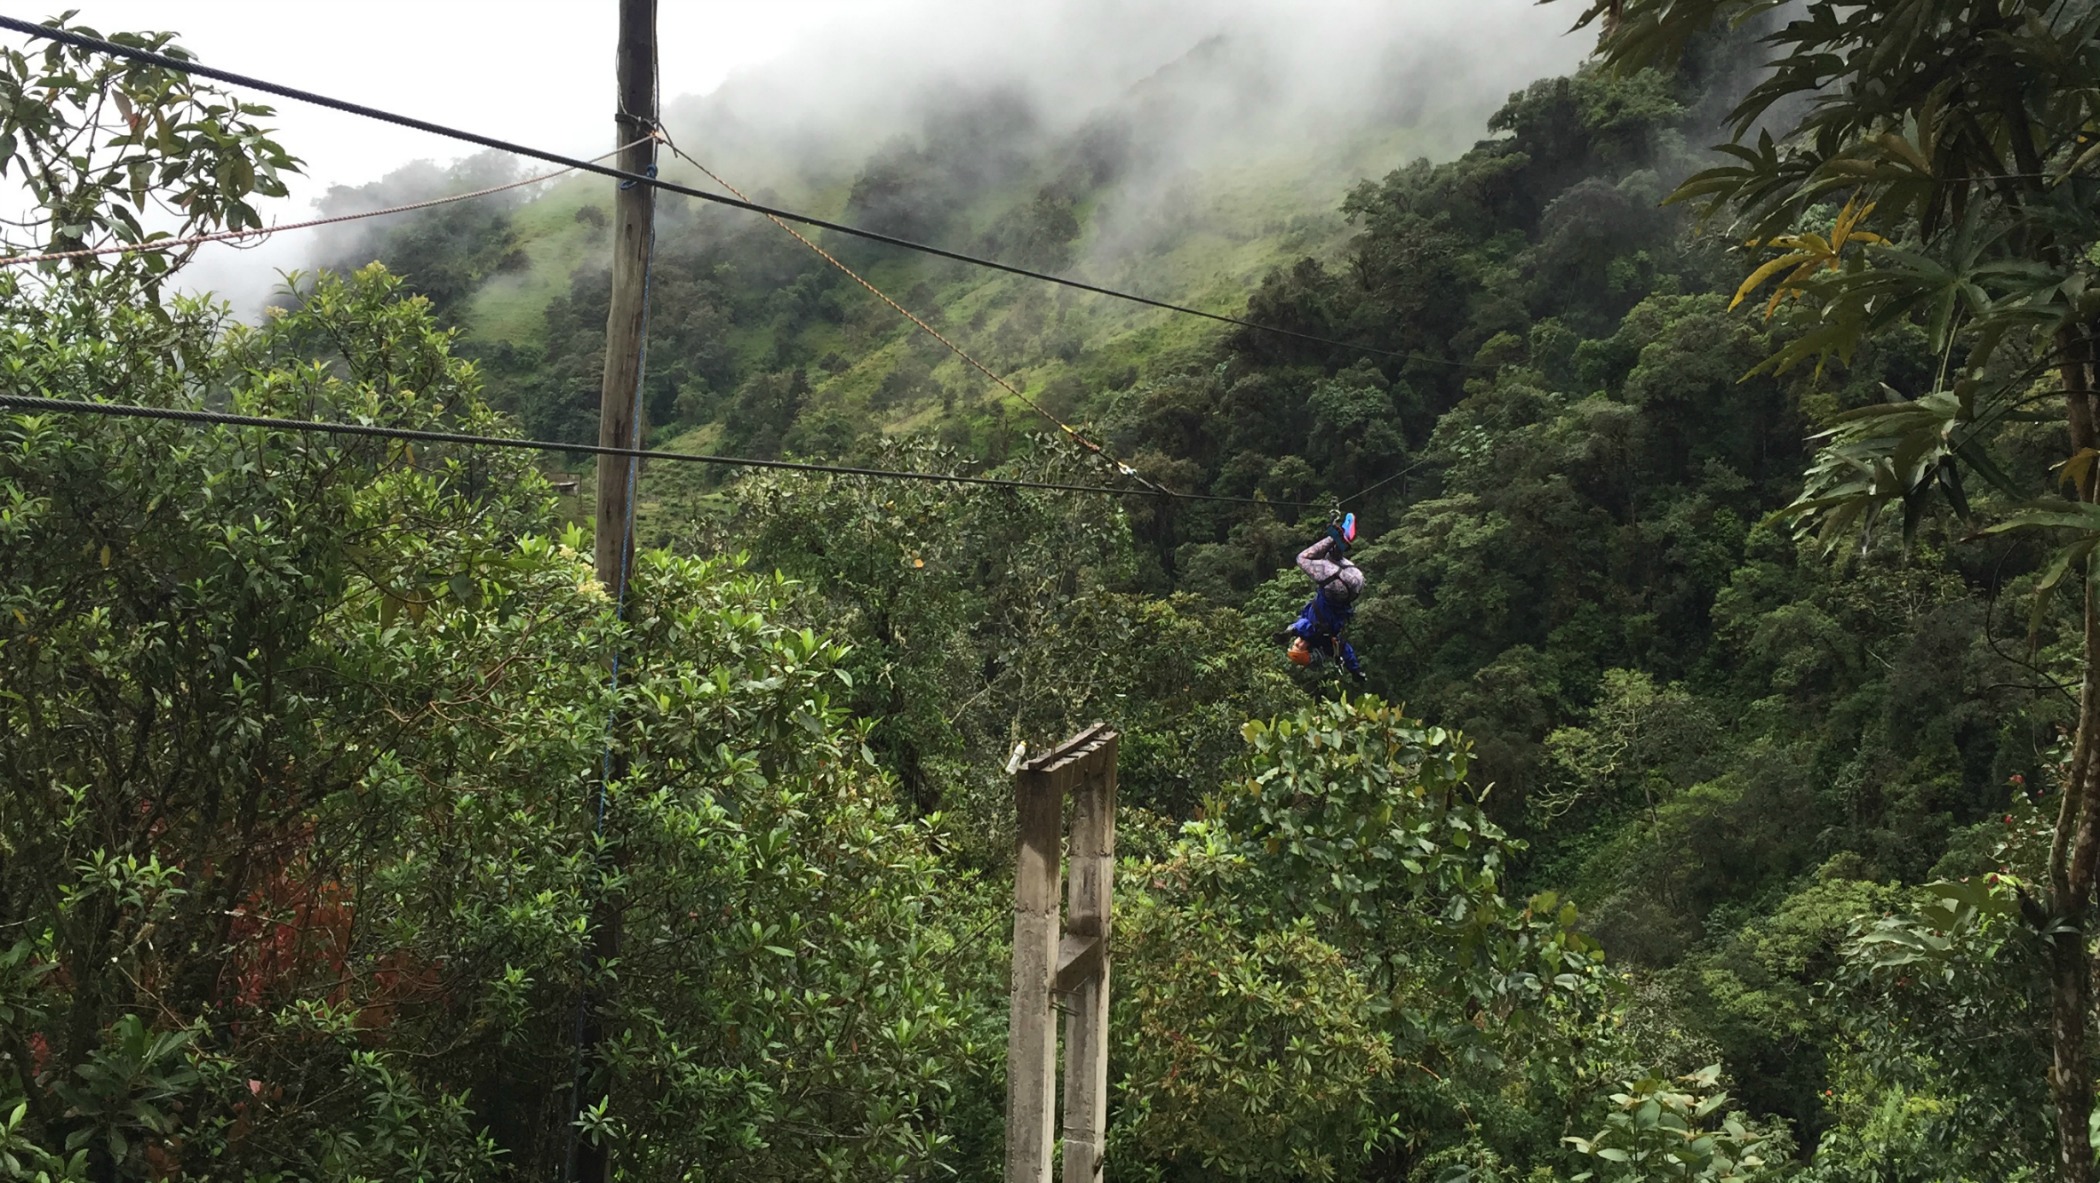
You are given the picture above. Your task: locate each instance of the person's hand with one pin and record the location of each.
(1357, 674)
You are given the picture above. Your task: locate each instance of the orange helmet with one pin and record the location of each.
(1301, 653)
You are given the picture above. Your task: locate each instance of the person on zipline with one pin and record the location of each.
(1337, 583)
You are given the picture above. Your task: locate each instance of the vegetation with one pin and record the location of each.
(309, 824)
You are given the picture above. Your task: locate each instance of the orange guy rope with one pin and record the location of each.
(168, 244)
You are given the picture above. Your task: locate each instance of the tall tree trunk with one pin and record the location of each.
(2072, 850)
(2071, 887)
(2068, 1075)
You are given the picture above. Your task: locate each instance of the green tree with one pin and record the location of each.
(303, 820)
(1954, 139)
(1349, 884)
(98, 143)
(304, 828)
(1243, 1051)
(1660, 1132)
(990, 617)
(1941, 1011)
(1653, 738)
(189, 723)
(444, 253)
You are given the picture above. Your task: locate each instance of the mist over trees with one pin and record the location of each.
(456, 247)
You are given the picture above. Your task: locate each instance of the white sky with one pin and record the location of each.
(538, 72)
(534, 71)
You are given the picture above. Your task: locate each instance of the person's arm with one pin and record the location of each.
(1349, 660)
(1314, 562)
(1304, 626)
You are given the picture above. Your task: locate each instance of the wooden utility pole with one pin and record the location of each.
(634, 213)
(1069, 960)
(619, 426)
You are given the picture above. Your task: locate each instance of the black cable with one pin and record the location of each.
(98, 45)
(1360, 494)
(66, 406)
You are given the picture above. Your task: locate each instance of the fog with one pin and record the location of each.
(1205, 91)
(1209, 98)
(1293, 65)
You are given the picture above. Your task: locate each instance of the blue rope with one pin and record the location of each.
(605, 765)
(649, 172)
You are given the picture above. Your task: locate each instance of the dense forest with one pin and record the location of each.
(1729, 519)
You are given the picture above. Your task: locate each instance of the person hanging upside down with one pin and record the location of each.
(1337, 583)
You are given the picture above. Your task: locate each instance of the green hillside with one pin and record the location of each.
(1252, 217)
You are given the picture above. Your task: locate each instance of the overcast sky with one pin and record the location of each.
(541, 71)
(534, 71)
(537, 71)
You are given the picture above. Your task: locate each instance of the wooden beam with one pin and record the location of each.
(1031, 1038)
(1078, 958)
(1081, 747)
(1069, 959)
(1087, 916)
(634, 213)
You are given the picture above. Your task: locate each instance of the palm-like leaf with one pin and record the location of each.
(1807, 254)
(1902, 454)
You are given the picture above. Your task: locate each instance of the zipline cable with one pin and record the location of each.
(66, 406)
(1361, 493)
(185, 66)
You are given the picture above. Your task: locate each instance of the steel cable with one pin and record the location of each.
(64, 406)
